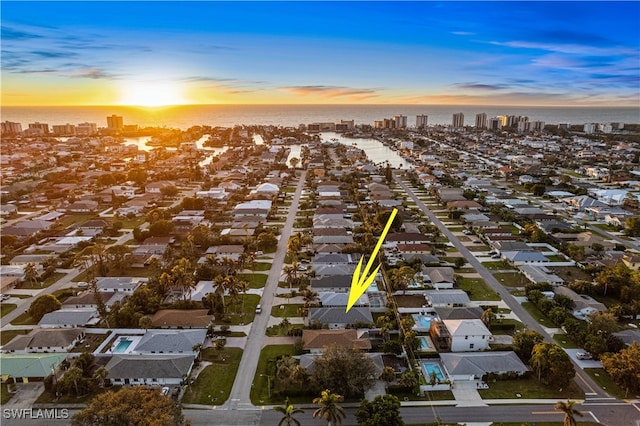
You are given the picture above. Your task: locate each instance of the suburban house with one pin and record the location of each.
(438, 277)
(45, 340)
(87, 299)
(316, 341)
(468, 335)
(450, 298)
(125, 285)
(170, 341)
(475, 366)
(230, 251)
(583, 305)
(540, 274)
(336, 317)
(24, 368)
(70, 318)
(336, 283)
(154, 370)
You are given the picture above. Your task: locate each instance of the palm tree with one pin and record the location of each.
(291, 273)
(487, 317)
(288, 411)
(569, 412)
(329, 408)
(31, 274)
(101, 375)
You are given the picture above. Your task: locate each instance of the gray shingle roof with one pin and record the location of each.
(170, 341)
(149, 366)
(480, 363)
(339, 316)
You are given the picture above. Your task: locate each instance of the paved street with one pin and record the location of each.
(584, 381)
(241, 389)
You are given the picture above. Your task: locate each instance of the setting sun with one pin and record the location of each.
(152, 93)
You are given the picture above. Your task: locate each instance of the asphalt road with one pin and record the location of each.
(592, 390)
(618, 414)
(239, 397)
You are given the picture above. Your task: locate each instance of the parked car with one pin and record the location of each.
(258, 309)
(467, 232)
(165, 391)
(584, 355)
(4, 297)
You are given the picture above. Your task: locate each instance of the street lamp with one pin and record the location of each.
(268, 383)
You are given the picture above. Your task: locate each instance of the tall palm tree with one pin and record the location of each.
(288, 411)
(329, 408)
(291, 273)
(569, 412)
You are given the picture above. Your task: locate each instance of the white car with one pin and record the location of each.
(584, 355)
(165, 391)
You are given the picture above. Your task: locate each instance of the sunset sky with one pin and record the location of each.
(490, 53)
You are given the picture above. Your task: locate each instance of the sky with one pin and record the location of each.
(457, 53)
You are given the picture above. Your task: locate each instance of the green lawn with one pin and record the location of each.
(497, 265)
(511, 279)
(565, 341)
(5, 308)
(131, 223)
(536, 314)
(24, 319)
(254, 280)
(266, 365)
(477, 289)
(8, 335)
(261, 266)
(288, 310)
(235, 314)
(529, 388)
(52, 279)
(600, 376)
(5, 396)
(213, 384)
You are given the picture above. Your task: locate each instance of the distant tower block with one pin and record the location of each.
(458, 120)
(481, 120)
(400, 121)
(115, 122)
(422, 121)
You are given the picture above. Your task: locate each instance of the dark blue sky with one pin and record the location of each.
(531, 53)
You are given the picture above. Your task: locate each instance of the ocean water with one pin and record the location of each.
(185, 116)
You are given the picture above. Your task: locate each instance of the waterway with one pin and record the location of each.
(376, 151)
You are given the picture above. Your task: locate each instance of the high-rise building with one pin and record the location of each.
(42, 126)
(115, 122)
(86, 129)
(400, 121)
(495, 123)
(422, 121)
(481, 120)
(589, 128)
(537, 126)
(63, 129)
(458, 120)
(11, 128)
(524, 126)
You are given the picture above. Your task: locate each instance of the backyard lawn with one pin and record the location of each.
(213, 384)
(536, 314)
(46, 283)
(477, 289)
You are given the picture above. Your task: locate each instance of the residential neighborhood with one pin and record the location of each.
(214, 265)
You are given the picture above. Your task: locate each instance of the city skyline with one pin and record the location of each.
(466, 53)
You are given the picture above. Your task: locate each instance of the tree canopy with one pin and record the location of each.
(344, 370)
(43, 305)
(384, 410)
(130, 406)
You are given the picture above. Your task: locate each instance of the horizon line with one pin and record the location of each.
(150, 107)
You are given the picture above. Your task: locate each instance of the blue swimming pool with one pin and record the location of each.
(424, 345)
(122, 346)
(430, 367)
(422, 321)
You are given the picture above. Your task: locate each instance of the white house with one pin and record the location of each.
(149, 370)
(468, 335)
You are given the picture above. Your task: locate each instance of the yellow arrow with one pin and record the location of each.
(360, 283)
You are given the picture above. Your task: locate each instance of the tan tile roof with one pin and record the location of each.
(314, 339)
